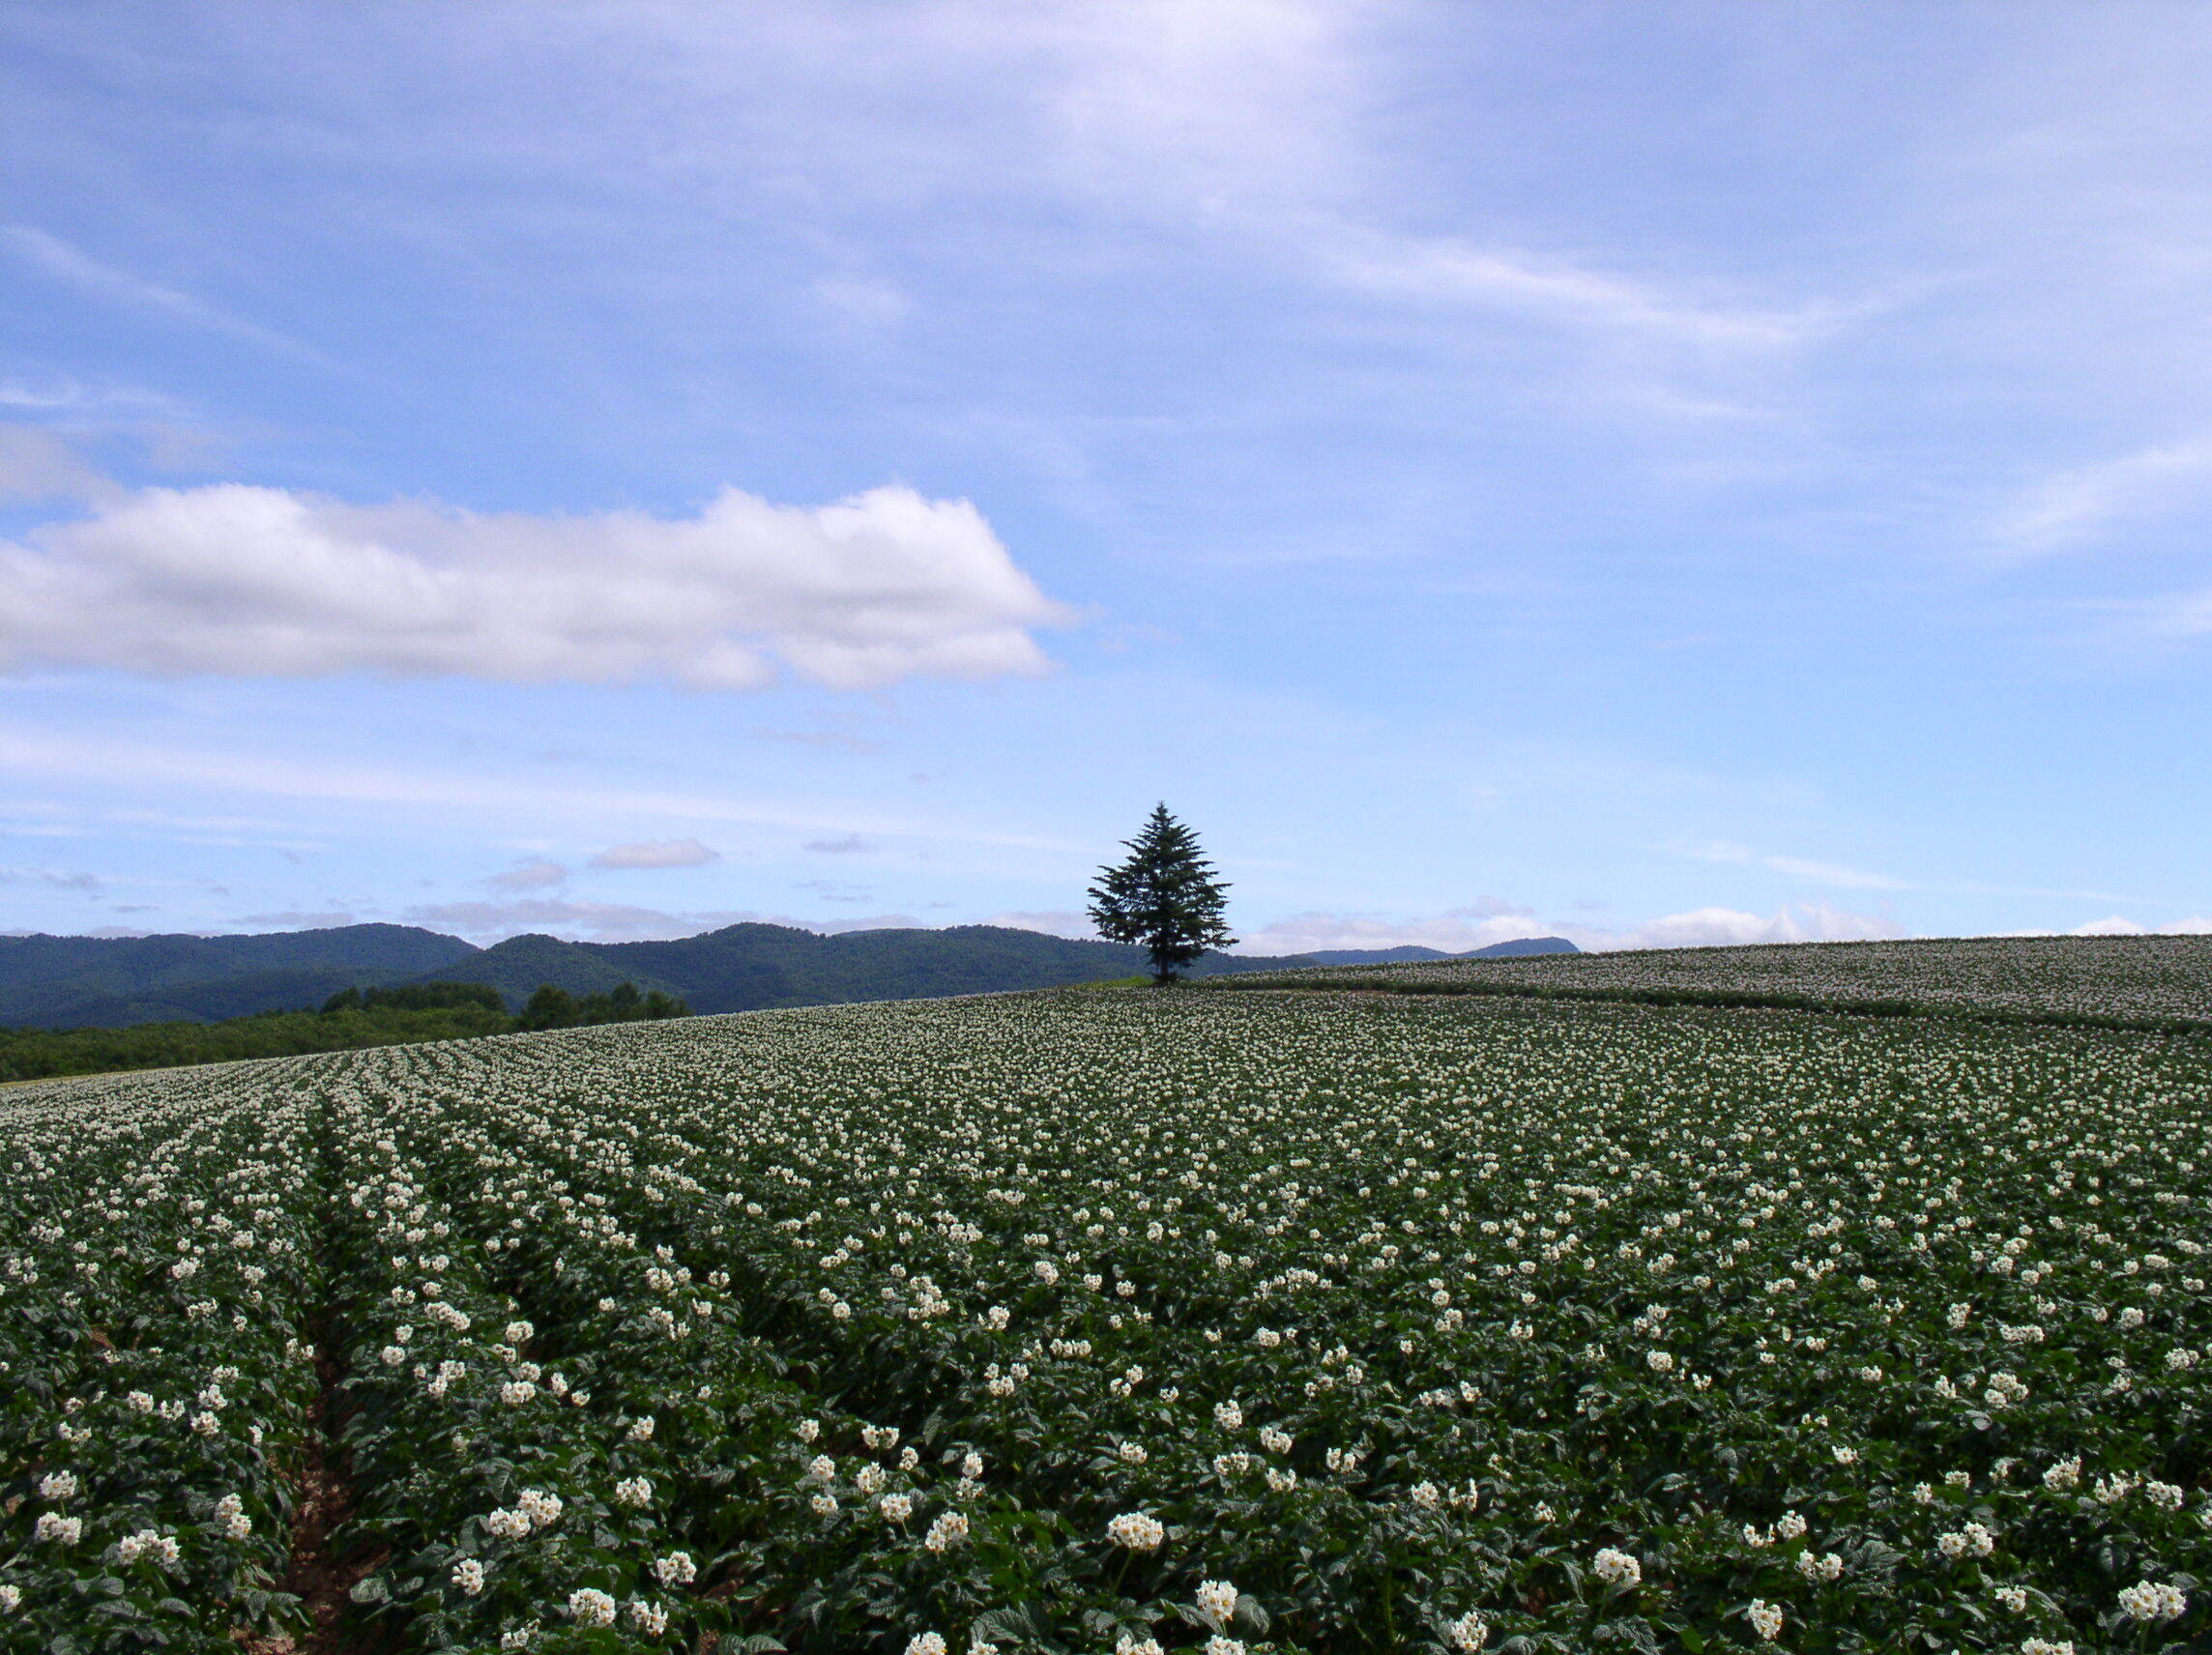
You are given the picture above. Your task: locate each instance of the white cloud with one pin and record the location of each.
(2111, 926)
(2117, 925)
(2080, 505)
(1453, 932)
(261, 582)
(846, 844)
(534, 875)
(1725, 927)
(658, 853)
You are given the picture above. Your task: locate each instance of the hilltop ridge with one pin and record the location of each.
(50, 981)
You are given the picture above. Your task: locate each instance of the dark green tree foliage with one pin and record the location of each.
(417, 997)
(349, 1020)
(554, 1007)
(550, 1007)
(1164, 898)
(26, 1054)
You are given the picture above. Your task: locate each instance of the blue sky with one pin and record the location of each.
(1651, 472)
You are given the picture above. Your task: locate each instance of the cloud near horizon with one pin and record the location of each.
(657, 853)
(251, 582)
(1456, 931)
(536, 874)
(583, 920)
(2115, 925)
(576, 919)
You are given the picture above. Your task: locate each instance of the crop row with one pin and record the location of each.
(2122, 978)
(1082, 1321)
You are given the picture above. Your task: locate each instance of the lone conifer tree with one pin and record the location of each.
(1164, 897)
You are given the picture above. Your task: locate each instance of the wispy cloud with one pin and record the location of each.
(93, 759)
(622, 922)
(1795, 867)
(596, 922)
(300, 920)
(66, 262)
(831, 739)
(2084, 503)
(1500, 279)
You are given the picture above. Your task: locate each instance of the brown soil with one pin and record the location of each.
(322, 1574)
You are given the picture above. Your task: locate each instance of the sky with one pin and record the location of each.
(1653, 473)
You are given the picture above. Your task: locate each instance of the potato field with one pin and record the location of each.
(2153, 977)
(1119, 1320)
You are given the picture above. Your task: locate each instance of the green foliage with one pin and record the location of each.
(1163, 898)
(349, 1020)
(554, 1007)
(29, 1053)
(417, 997)
(1431, 1323)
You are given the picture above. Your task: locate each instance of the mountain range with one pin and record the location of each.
(116, 981)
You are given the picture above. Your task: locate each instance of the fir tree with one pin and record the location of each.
(1164, 897)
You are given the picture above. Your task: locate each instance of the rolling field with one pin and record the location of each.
(2123, 978)
(1089, 1322)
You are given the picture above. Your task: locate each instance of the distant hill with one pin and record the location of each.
(76, 981)
(518, 965)
(72, 981)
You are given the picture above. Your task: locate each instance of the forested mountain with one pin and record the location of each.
(65, 982)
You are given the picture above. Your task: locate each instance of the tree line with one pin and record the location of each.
(350, 1020)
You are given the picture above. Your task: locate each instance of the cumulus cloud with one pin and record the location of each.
(534, 875)
(246, 581)
(658, 853)
(1723, 927)
(848, 845)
